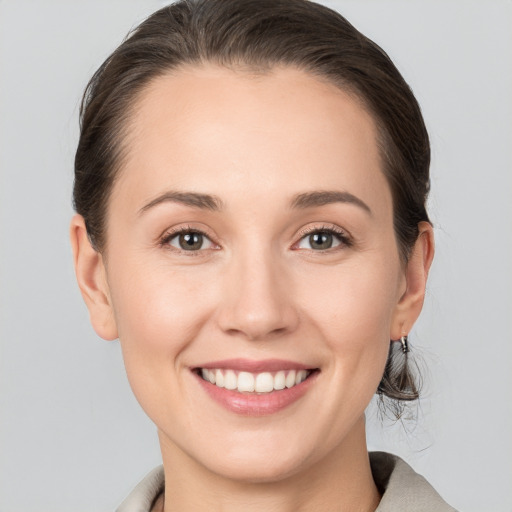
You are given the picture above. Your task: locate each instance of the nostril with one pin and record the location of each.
(257, 306)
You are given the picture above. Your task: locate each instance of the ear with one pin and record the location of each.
(91, 276)
(410, 304)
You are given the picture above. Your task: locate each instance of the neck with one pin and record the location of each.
(341, 481)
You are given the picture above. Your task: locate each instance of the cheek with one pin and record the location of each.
(354, 301)
(159, 312)
(154, 304)
(353, 308)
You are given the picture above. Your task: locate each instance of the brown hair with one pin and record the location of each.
(258, 34)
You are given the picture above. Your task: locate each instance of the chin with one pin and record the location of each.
(267, 458)
(259, 469)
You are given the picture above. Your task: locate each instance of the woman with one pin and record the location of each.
(250, 187)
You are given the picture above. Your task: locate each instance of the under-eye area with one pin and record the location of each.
(248, 382)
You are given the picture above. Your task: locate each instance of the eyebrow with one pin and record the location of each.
(300, 201)
(323, 197)
(193, 199)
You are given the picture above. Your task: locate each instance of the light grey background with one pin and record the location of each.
(72, 437)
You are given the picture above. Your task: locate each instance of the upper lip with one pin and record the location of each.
(255, 366)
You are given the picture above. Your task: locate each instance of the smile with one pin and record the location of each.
(255, 388)
(247, 382)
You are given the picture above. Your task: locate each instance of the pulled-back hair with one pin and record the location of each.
(258, 35)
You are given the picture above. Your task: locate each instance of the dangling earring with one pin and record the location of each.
(405, 344)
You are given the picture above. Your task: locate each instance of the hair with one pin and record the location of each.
(258, 35)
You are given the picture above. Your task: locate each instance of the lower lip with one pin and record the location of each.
(253, 404)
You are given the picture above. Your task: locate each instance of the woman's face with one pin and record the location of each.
(250, 237)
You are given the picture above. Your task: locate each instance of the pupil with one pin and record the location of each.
(321, 240)
(191, 241)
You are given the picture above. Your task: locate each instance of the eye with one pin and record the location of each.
(323, 239)
(188, 240)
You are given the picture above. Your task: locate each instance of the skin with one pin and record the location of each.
(257, 289)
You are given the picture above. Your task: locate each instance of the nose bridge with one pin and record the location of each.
(257, 301)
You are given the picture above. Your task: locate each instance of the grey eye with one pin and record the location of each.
(190, 241)
(320, 241)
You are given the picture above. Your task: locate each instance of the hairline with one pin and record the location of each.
(250, 70)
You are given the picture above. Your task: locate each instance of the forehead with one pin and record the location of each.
(278, 132)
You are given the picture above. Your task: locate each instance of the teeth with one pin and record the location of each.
(290, 379)
(280, 380)
(219, 379)
(301, 375)
(245, 382)
(264, 383)
(230, 380)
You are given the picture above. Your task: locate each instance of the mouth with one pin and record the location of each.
(255, 388)
(248, 382)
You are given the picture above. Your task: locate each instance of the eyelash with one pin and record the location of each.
(338, 233)
(341, 235)
(169, 235)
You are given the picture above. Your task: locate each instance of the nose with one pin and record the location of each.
(258, 298)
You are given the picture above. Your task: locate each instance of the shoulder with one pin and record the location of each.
(144, 495)
(402, 488)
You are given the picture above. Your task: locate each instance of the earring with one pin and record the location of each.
(405, 344)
